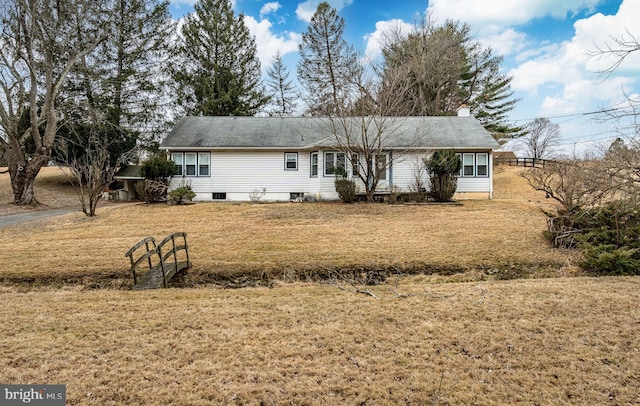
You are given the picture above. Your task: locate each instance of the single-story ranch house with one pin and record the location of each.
(286, 158)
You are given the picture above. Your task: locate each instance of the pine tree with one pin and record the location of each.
(121, 83)
(283, 93)
(445, 68)
(217, 71)
(327, 63)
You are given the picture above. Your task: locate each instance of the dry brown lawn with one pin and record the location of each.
(456, 335)
(52, 188)
(566, 341)
(296, 241)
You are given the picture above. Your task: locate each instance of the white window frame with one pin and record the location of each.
(466, 165)
(485, 164)
(175, 157)
(381, 170)
(314, 163)
(355, 164)
(476, 159)
(190, 162)
(330, 170)
(291, 157)
(201, 163)
(204, 161)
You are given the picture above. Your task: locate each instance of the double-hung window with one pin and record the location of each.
(314, 164)
(482, 164)
(468, 164)
(334, 163)
(355, 164)
(291, 161)
(381, 166)
(190, 160)
(474, 165)
(203, 163)
(192, 163)
(176, 157)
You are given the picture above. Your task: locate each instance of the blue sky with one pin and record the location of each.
(544, 43)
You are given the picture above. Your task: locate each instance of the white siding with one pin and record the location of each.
(405, 166)
(472, 185)
(241, 173)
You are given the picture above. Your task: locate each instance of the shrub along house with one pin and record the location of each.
(286, 158)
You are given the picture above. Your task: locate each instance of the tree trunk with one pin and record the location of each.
(23, 175)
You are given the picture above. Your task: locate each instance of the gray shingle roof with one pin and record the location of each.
(305, 132)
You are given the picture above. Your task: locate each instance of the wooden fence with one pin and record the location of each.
(526, 162)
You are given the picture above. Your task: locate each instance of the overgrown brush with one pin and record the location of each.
(608, 236)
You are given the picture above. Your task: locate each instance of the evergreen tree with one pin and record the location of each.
(217, 71)
(327, 64)
(283, 92)
(121, 82)
(444, 68)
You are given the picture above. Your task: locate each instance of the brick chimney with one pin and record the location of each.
(464, 111)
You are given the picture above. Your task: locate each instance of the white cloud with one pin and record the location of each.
(268, 43)
(269, 8)
(569, 66)
(505, 13)
(578, 96)
(505, 42)
(376, 39)
(307, 9)
(492, 20)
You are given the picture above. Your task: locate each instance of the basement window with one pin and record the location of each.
(219, 196)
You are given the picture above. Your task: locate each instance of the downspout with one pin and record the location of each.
(390, 170)
(490, 169)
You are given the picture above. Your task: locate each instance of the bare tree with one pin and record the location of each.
(618, 48)
(93, 170)
(542, 135)
(40, 44)
(418, 185)
(623, 160)
(362, 124)
(574, 183)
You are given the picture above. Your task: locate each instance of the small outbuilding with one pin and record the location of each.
(129, 176)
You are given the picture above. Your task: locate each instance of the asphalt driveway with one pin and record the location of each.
(12, 219)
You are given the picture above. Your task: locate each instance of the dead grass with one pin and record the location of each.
(545, 341)
(555, 341)
(293, 241)
(52, 189)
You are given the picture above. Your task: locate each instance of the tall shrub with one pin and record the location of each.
(157, 172)
(443, 167)
(346, 190)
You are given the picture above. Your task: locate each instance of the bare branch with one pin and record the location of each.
(618, 48)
